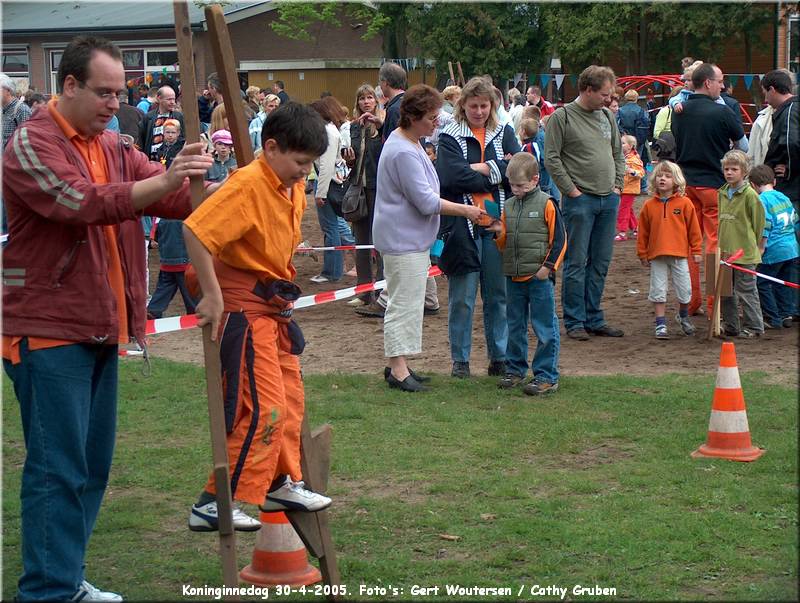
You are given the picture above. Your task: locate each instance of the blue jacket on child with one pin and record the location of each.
(171, 246)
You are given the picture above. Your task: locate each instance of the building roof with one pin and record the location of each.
(79, 15)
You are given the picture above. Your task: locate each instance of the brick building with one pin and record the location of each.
(336, 60)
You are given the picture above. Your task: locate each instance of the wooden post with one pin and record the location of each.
(460, 74)
(216, 413)
(450, 69)
(722, 287)
(226, 68)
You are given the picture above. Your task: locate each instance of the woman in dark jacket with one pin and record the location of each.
(471, 164)
(366, 124)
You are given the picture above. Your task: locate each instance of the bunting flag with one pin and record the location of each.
(748, 80)
(657, 86)
(573, 79)
(545, 79)
(559, 80)
(733, 79)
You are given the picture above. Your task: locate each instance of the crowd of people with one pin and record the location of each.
(500, 192)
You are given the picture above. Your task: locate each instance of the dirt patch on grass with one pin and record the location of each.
(340, 340)
(385, 489)
(602, 453)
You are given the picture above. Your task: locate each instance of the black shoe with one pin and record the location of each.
(606, 331)
(497, 368)
(579, 334)
(373, 310)
(417, 377)
(460, 370)
(787, 322)
(430, 311)
(409, 384)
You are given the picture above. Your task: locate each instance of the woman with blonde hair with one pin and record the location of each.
(471, 164)
(268, 105)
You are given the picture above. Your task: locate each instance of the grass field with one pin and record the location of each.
(593, 486)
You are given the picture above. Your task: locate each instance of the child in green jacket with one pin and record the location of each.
(741, 223)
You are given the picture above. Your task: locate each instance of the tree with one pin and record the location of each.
(499, 39)
(389, 20)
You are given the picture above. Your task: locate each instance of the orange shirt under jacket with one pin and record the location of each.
(555, 253)
(668, 228)
(95, 160)
(251, 222)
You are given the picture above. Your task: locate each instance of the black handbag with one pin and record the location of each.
(354, 202)
(460, 253)
(335, 197)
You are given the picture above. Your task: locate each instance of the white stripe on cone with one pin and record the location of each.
(728, 378)
(728, 421)
(278, 538)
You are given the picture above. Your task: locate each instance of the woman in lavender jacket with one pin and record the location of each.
(407, 209)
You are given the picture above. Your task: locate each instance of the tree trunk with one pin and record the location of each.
(642, 42)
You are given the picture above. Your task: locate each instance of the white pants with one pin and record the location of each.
(660, 269)
(406, 277)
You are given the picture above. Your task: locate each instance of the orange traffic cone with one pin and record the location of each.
(728, 431)
(279, 556)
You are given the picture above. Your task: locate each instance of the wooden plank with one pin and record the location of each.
(450, 69)
(226, 69)
(216, 414)
(461, 75)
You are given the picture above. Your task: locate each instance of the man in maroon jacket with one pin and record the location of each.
(73, 288)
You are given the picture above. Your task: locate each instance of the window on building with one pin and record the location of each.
(794, 44)
(16, 66)
(55, 61)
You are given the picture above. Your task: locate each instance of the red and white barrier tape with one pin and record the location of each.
(189, 321)
(739, 254)
(333, 248)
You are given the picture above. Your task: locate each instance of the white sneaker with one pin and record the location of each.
(87, 592)
(355, 302)
(206, 519)
(293, 496)
(319, 279)
(661, 332)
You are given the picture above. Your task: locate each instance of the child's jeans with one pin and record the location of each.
(626, 219)
(746, 292)
(534, 300)
(778, 301)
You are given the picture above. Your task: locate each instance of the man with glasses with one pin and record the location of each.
(72, 291)
(704, 131)
(153, 127)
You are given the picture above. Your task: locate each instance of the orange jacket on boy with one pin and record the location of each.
(668, 228)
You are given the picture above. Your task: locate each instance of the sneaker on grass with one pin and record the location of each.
(510, 380)
(540, 388)
(87, 592)
(205, 518)
(293, 496)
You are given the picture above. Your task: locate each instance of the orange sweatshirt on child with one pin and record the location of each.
(633, 184)
(668, 228)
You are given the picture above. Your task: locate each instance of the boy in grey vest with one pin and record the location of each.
(532, 238)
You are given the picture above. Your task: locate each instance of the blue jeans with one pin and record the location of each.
(345, 234)
(778, 301)
(462, 291)
(591, 223)
(534, 300)
(68, 402)
(168, 284)
(333, 261)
